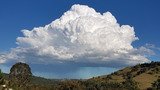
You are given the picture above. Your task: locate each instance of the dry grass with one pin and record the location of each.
(144, 79)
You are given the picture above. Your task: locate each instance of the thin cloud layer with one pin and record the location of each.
(80, 37)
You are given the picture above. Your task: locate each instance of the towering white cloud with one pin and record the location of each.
(81, 36)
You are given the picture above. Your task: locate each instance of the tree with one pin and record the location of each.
(129, 83)
(1, 75)
(156, 85)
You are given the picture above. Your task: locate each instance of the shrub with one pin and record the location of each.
(156, 84)
(130, 84)
(1, 75)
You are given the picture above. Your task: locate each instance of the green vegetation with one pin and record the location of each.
(130, 84)
(156, 85)
(1, 75)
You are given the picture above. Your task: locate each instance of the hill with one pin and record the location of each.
(140, 77)
(144, 74)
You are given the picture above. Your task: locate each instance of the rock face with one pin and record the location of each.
(20, 74)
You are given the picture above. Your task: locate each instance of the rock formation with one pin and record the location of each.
(20, 74)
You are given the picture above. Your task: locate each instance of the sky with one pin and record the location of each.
(39, 33)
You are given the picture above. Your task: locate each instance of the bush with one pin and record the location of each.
(156, 84)
(1, 75)
(130, 84)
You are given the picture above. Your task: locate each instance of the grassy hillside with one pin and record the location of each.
(143, 74)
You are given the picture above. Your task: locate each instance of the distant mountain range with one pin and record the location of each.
(139, 77)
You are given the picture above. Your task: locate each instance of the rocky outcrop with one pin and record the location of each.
(20, 74)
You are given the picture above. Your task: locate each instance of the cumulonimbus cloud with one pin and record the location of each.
(81, 36)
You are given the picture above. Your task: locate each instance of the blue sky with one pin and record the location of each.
(26, 14)
(16, 15)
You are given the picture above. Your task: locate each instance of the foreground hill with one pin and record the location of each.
(140, 77)
(143, 74)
